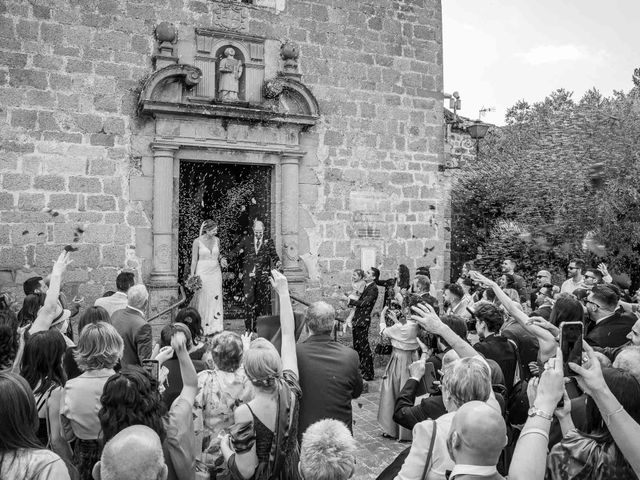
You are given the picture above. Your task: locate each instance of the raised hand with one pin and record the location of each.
(565, 409)
(551, 384)
(279, 282)
(164, 354)
(427, 318)
(417, 369)
(179, 342)
(60, 265)
(590, 376)
(603, 268)
(479, 278)
(426, 351)
(246, 341)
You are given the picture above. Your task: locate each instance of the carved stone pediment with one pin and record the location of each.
(228, 80)
(168, 84)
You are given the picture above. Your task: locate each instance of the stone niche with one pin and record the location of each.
(224, 108)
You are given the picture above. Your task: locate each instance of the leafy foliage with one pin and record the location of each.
(560, 180)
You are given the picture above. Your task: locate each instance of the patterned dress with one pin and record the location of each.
(219, 393)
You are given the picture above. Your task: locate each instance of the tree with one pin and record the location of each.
(560, 180)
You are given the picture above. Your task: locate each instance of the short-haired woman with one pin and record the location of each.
(220, 390)
(21, 454)
(271, 418)
(99, 349)
(42, 369)
(403, 337)
(90, 315)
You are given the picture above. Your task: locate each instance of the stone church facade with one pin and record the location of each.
(106, 103)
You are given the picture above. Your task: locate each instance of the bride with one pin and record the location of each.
(205, 264)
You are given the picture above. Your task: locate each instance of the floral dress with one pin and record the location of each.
(219, 393)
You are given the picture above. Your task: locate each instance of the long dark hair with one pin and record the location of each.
(30, 306)
(18, 415)
(404, 279)
(93, 314)
(566, 309)
(192, 319)
(9, 339)
(625, 388)
(131, 397)
(42, 361)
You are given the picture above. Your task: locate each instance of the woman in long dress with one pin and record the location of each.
(403, 336)
(206, 263)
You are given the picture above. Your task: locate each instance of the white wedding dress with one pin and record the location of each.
(208, 300)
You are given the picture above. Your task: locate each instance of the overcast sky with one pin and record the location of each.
(499, 51)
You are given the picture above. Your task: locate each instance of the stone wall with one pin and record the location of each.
(70, 73)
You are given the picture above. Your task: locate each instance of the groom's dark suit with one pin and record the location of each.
(256, 260)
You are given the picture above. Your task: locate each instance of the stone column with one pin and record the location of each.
(289, 222)
(162, 272)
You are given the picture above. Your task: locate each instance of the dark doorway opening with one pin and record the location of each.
(232, 194)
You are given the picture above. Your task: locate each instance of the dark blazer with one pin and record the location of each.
(498, 349)
(329, 379)
(259, 263)
(362, 315)
(136, 334)
(407, 414)
(611, 331)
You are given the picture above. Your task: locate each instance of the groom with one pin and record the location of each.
(257, 254)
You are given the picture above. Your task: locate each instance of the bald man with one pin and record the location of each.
(258, 257)
(135, 453)
(477, 436)
(329, 373)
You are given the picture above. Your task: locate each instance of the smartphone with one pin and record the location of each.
(571, 334)
(429, 378)
(153, 368)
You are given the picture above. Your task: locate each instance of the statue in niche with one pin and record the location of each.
(230, 72)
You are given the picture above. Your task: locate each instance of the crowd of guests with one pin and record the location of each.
(102, 400)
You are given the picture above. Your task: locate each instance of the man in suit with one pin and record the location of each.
(117, 301)
(133, 328)
(608, 326)
(257, 254)
(489, 320)
(422, 288)
(361, 322)
(477, 436)
(328, 370)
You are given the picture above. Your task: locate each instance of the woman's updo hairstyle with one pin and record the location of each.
(131, 397)
(263, 364)
(227, 351)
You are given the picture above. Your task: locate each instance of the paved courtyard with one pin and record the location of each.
(374, 451)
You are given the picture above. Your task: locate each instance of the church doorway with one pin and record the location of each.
(233, 195)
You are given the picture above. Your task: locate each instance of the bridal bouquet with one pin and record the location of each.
(193, 283)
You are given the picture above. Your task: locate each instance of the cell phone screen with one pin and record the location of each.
(571, 334)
